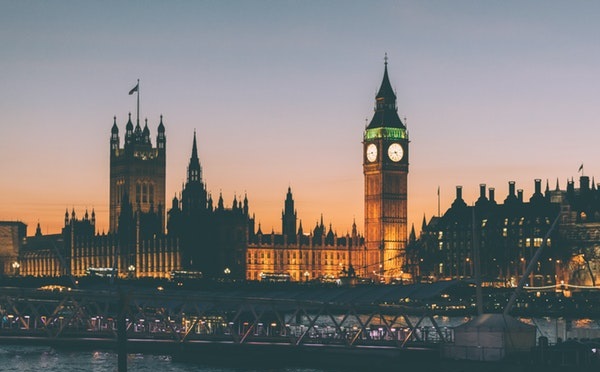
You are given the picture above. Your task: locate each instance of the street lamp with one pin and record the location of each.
(227, 272)
(306, 275)
(131, 270)
(15, 265)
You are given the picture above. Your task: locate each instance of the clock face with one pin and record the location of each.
(371, 152)
(395, 152)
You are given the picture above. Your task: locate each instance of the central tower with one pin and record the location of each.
(385, 166)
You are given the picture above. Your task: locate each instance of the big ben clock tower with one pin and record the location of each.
(385, 166)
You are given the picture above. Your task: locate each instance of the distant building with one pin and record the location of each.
(12, 235)
(508, 235)
(580, 229)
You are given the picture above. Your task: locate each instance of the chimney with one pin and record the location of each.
(458, 192)
(482, 199)
(511, 188)
(538, 186)
(520, 195)
(492, 194)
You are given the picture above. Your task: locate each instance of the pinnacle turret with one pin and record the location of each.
(194, 168)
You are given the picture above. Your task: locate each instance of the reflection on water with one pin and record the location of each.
(47, 359)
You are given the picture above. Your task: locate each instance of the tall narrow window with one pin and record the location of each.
(138, 193)
(151, 193)
(145, 193)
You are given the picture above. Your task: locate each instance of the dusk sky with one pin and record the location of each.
(278, 93)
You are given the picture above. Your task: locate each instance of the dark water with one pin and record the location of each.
(47, 359)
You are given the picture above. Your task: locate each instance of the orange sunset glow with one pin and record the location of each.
(278, 98)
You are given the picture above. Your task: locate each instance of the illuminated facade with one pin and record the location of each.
(12, 235)
(580, 232)
(385, 167)
(79, 248)
(319, 254)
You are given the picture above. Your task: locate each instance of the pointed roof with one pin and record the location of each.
(138, 130)
(115, 129)
(385, 90)
(413, 235)
(194, 147)
(161, 126)
(129, 125)
(386, 114)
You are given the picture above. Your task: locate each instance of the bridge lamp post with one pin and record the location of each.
(15, 265)
(227, 271)
(131, 271)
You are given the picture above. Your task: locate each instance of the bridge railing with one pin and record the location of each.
(190, 318)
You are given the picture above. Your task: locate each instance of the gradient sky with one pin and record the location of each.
(278, 93)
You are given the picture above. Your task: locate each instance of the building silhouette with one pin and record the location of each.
(137, 176)
(508, 234)
(213, 238)
(201, 235)
(219, 241)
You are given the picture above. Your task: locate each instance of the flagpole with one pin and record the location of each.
(438, 201)
(138, 101)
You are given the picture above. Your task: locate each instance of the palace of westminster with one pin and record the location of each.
(196, 234)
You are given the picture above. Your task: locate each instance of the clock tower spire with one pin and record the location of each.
(385, 168)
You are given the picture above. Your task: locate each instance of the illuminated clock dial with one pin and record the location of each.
(395, 152)
(371, 152)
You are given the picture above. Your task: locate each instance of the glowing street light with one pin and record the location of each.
(15, 265)
(131, 270)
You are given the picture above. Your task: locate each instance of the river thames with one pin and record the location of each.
(47, 359)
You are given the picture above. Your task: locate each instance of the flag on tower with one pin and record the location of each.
(135, 89)
(580, 168)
